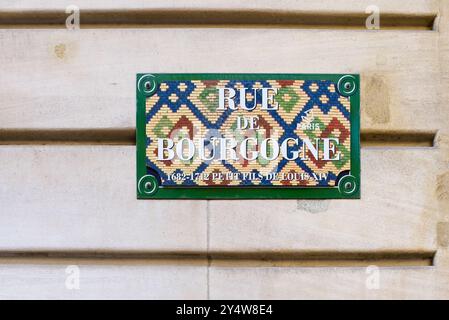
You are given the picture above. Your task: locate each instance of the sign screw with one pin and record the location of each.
(147, 84)
(148, 185)
(347, 85)
(348, 185)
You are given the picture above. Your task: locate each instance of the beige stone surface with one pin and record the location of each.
(114, 281)
(83, 197)
(404, 6)
(86, 78)
(329, 283)
(398, 210)
(119, 280)
(75, 205)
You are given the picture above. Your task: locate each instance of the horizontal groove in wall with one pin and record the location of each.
(124, 136)
(127, 136)
(226, 259)
(213, 18)
(379, 138)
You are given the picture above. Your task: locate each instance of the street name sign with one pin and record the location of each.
(247, 136)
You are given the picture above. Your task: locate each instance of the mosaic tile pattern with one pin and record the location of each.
(307, 109)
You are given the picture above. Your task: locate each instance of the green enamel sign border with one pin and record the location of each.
(250, 192)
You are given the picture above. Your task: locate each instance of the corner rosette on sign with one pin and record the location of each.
(248, 136)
